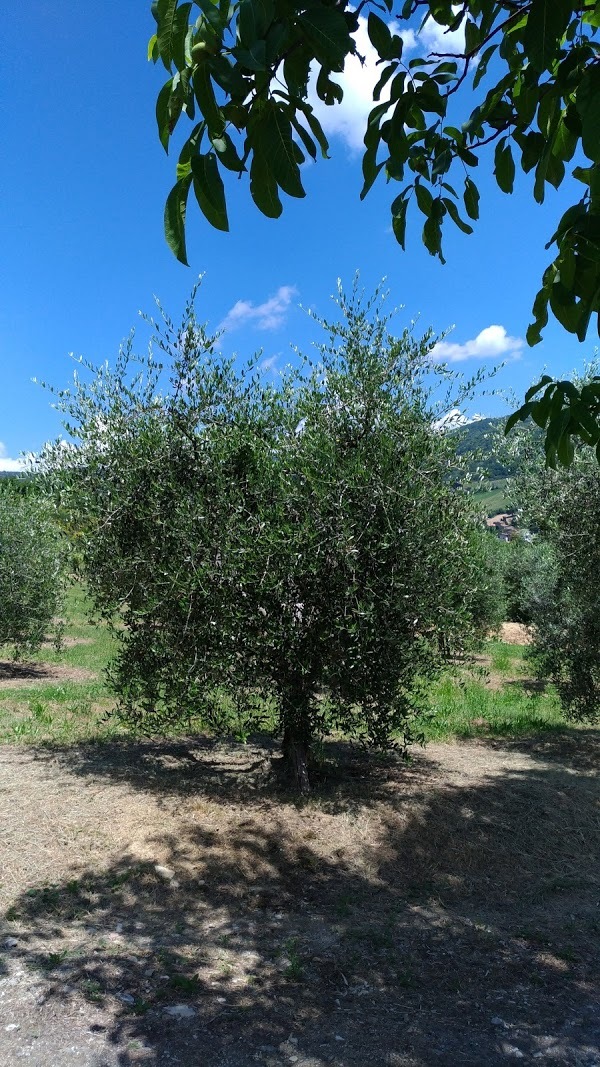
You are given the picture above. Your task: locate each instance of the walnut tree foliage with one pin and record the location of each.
(526, 87)
(292, 543)
(568, 411)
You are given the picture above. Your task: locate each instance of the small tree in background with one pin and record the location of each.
(296, 540)
(31, 568)
(528, 573)
(563, 601)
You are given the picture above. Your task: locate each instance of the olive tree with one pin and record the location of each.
(563, 595)
(31, 567)
(294, 540)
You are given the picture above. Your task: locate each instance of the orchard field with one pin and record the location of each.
(170, 901)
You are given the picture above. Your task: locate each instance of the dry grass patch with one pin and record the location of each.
(515, 633)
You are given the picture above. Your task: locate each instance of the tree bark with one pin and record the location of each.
(296, 756)
(297, 739)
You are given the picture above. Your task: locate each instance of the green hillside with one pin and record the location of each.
(479, 446)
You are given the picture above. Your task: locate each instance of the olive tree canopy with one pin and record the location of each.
(292, 543)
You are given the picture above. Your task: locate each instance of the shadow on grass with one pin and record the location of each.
(402, 916)
(24, 670)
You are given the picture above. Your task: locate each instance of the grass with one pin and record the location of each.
(505, 659)
(473, 710)
(501, 702)
(71, 711)
(96, 644)
(494, 498)
(66, 710)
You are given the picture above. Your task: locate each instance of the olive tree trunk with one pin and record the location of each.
(297, 737)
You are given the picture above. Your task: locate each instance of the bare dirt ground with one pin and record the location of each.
(18, 674)
(170, 904)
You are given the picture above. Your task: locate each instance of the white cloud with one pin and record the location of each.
(454, 419)
(268, 364)
(8, 464)
(348, 120)
(491, 343)
(267, 316)
(436, 38)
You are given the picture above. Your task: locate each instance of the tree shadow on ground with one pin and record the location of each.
(24, 670)
(403, 916)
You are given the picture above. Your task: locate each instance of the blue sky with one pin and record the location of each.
(83, 184)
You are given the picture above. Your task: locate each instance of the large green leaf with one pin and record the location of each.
(546, 25)
(504, 167)
(153, 53)
(173, 22)
(175, 209)
(432, 237)
(588, 95)
(205, 97)
(296, 70)
(227, 152)
(452, 210)
(471, 199)
(326, 30)
(540, 312)
(184, 163)
(315, 126)
(380, 37)
(275, 134)
(263, 187)
(424, 198)
(253, 58)
(399, 208)
(209, 190)
(163, 118)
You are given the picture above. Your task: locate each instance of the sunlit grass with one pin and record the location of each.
(505, 659)
(71, 711)
(471, 709)
(64, 711)
(64, 715)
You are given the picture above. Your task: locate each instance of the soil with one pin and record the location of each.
(19, 674)
(172, 904)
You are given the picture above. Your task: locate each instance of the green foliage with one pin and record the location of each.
(295, 542)
(529, 576)
(530, 69)
(565, 505)
(568, 411)
(31, 569)
(487, 603)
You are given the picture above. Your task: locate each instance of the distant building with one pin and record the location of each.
(503, 525)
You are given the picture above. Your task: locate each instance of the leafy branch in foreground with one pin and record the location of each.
(568, 411)
(526, 82)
